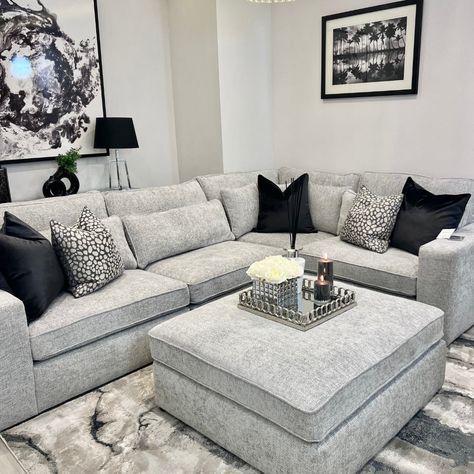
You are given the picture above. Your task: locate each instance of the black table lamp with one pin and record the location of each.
(115, 133)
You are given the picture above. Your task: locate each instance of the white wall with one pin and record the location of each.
(135, 55)
(194, 60)
(245, 77)
(431, 133)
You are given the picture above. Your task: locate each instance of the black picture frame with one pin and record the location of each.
(416, 45)
(103, 104)
(5, 195)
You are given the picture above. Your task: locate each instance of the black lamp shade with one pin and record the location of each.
(115, 132)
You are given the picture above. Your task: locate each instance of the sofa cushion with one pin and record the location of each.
(115, 226)
(424, 215)
(309, 382)
(135, 297)
(241, 206)
(88, 254)
(371, 220)
(66, 209)
(214, 270)
(325, 206)
(148, 200)
(284, 210)
(164, 234)
(392, 183)
(347, 201)
(324, 178)
(281, 240)
(214, 184)
(394, 271)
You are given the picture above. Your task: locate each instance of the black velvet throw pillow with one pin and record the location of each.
(4, 285)
(424, 215)
(30, 266)
(273, 206)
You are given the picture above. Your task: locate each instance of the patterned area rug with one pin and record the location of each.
(118, 429)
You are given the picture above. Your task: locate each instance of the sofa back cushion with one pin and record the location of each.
(392, 183)
(148, 200)
(323, 178)
(163, 234)
(241, 206)
(214, 184)
(66, 209)
(325, 205)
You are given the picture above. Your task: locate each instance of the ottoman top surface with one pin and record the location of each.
(309, 382)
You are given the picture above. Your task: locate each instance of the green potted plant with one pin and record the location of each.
(68, 161)
(67, 169)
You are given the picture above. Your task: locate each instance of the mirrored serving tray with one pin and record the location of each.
(300, 311)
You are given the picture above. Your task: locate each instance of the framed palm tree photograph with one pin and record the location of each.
(372, 51)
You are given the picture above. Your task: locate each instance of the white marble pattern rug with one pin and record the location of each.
(118, 429)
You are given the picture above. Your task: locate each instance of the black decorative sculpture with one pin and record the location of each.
(55, 185)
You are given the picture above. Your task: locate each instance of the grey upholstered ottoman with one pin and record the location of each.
(322, 401)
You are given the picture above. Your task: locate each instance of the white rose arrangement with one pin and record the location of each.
(274, 270)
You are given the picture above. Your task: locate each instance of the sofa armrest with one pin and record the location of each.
(17, 385)
(446, 280)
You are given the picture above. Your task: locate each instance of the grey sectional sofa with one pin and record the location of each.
(184, 254)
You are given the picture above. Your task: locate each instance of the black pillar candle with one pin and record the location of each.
(326, 270)
(322, 291)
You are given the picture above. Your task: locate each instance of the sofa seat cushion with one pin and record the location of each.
(309, 382)
(214, 270)
(135, 297)
(394, 271)
(281, 240)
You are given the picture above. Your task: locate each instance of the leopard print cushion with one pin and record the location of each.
(87, 253)
(371, 220)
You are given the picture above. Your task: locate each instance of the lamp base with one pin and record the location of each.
(118, 168)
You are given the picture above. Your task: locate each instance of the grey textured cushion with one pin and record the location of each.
(325, 206)
(282, 240)
(66, 209)
(214, 270)
(371, 220)
(134, 298)
(320, 177)
(241, 206)
(270, 449)
(394, 271)
(148, 200)
(164, 234)
(392, 183)
(346, 205)
(17, 384)
(214, 184)
(115, 227)
(251, 360)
